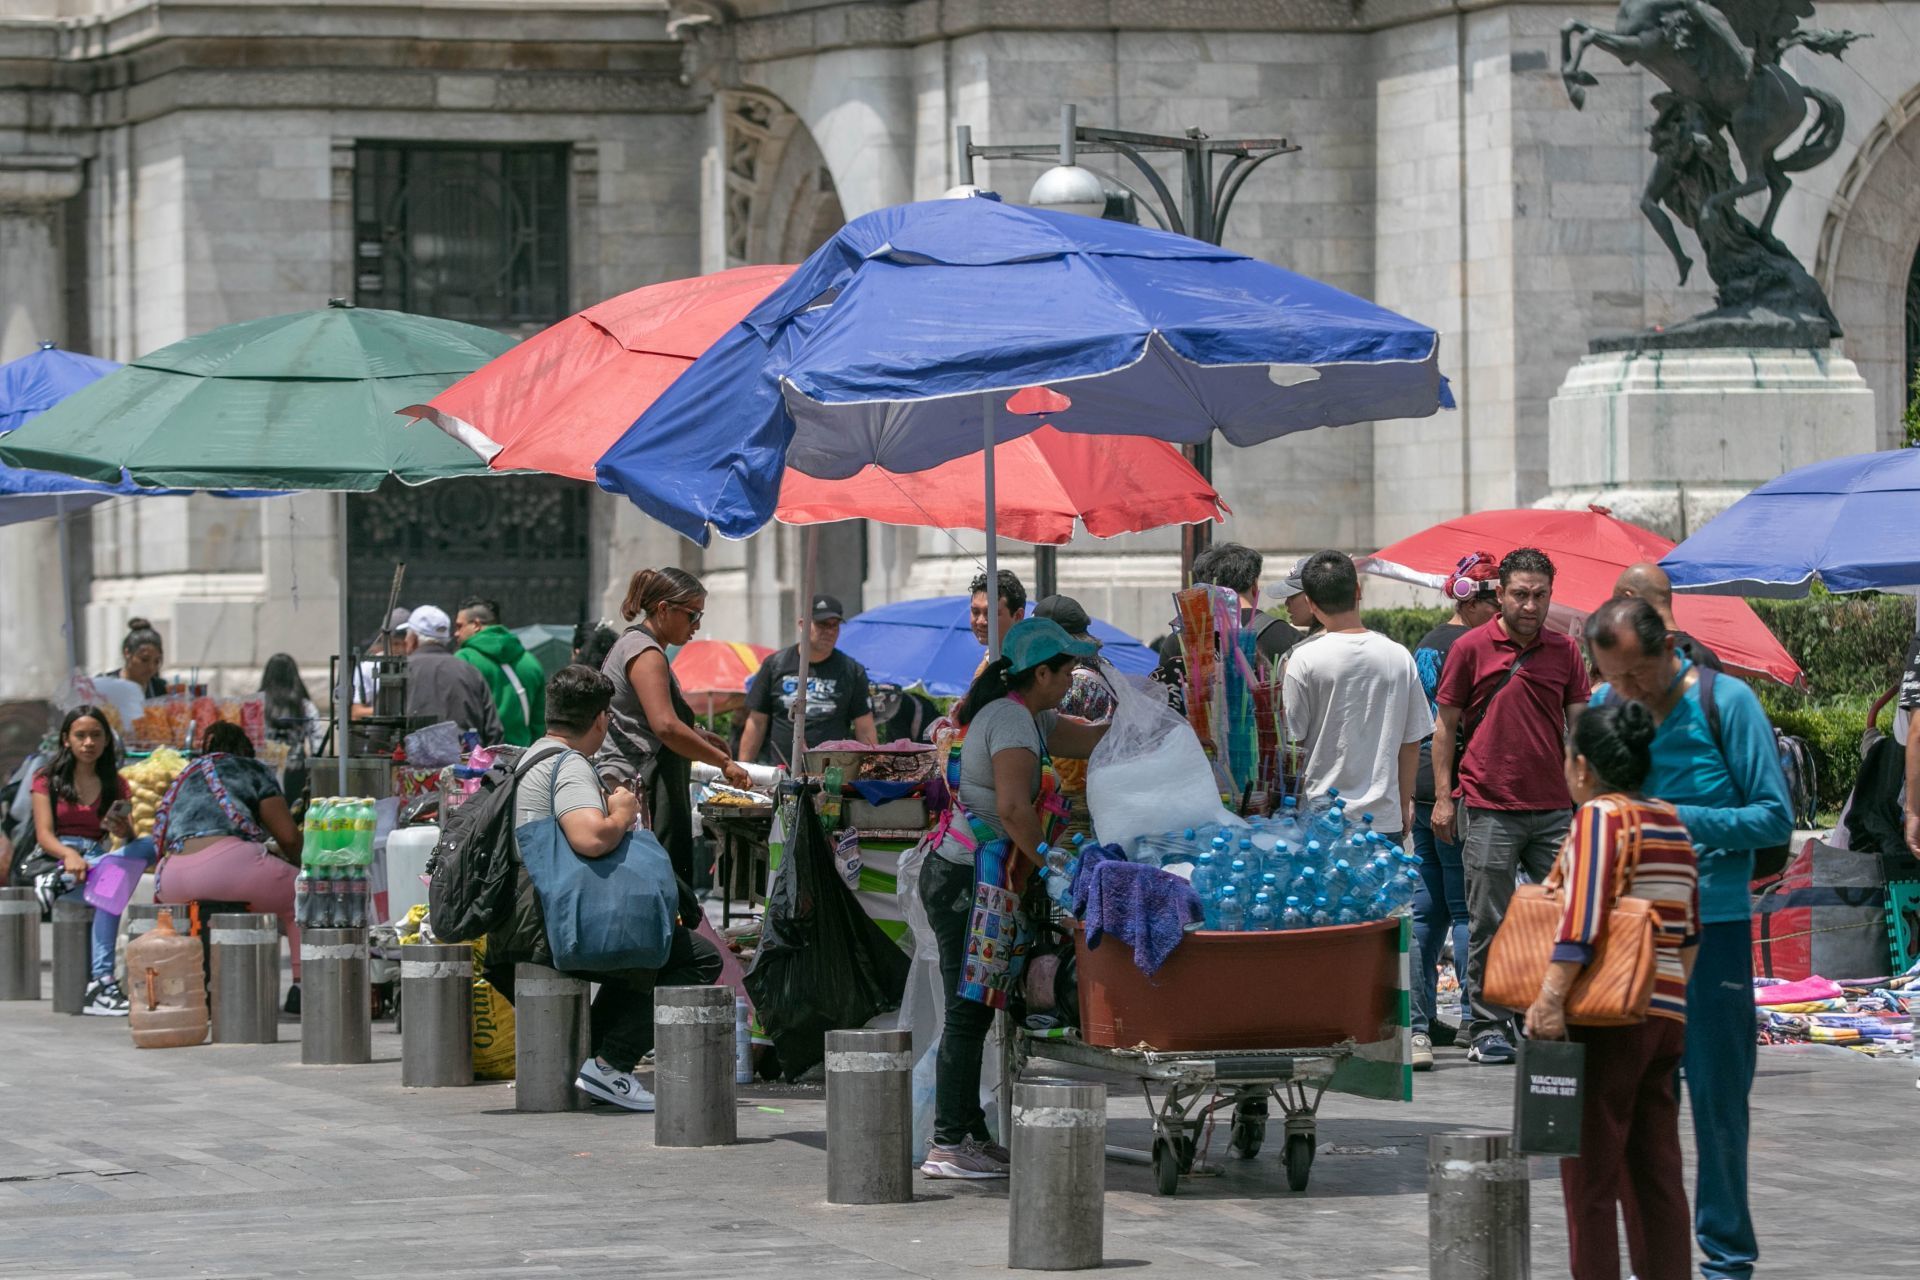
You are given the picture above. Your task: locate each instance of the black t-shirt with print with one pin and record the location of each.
(838, 693)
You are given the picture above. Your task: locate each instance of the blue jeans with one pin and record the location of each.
(1718, 1067)
(106, 928)
(1439, 904)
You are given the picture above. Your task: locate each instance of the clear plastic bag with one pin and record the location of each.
(923, 1009)
(1149, 774)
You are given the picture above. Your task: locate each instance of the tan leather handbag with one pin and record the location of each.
(1617, 984)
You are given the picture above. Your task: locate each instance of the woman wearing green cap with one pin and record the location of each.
(1003, 804)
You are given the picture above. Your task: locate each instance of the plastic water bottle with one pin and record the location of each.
(1339, 878)
(1331, 825)
(742, 1042)
(1380, 906)
(1269, 884)
(1230, 911)
(1291, 916)
(1347, 911)
(1287, 821)
(1372, 875)
(1184, 848)
(1057, 862)
(1320, 804)
(1319, 914)
(1306, 885)
(1260, 916)
(1251, 856)
(1205, 879)
(1240, 878)
(1366, 825)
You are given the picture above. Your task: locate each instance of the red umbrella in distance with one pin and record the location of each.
(556, 402)
(714, 674)
(1588, 549)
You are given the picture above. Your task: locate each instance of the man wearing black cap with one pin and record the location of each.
(838, 700)
(1091, 697)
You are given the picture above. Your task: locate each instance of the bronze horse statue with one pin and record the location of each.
(1723, 60)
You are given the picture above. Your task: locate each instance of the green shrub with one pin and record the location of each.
(1850, 644)
(1408, 626)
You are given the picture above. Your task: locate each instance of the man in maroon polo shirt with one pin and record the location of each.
(1507, 693)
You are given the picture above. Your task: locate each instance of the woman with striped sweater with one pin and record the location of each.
(1630, 1117)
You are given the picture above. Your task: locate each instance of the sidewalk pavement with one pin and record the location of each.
(236, 1161)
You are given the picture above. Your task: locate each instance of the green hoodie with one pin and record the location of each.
(502, 660)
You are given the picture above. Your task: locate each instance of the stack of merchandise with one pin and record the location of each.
(148, 780)
(1231, 695)
(337, 850)
(1873, 1016)
(1296, 870)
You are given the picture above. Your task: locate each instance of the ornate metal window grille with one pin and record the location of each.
(1913, 329)
(473, 233)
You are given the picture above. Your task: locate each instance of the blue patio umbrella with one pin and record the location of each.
(1851, 523)
(900, 341)
(31, 384)
(930, 644)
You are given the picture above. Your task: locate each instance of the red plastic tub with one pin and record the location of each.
(1298, 989)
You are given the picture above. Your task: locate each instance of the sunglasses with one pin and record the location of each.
(693, 615)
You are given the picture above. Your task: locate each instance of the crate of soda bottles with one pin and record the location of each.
(336, 857)
(1306, 867)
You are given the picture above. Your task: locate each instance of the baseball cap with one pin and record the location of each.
(825, 607)
(1292, 585)
(430, 623)
(1032, 641)
(396, 621)
(1066, 611)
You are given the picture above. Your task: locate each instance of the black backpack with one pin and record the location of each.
(472, 867)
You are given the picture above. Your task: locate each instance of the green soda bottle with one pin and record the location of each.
(313, 833)
(339, 841)
(365, 822)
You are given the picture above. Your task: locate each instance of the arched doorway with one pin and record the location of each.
(781, 200)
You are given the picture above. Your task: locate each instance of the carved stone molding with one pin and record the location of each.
(33, 184)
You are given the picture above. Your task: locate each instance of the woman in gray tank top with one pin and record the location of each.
(651, 736)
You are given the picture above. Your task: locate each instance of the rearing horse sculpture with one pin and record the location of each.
(1723, 59)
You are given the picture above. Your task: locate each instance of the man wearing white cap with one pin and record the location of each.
(439, 685)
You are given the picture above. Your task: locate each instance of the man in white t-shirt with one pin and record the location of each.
(1354, 703)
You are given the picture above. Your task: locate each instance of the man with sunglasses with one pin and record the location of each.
(839, 704)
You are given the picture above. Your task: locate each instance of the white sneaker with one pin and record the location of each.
(1422, 1051)
(616, 1087)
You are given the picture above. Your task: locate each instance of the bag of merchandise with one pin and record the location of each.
(1149, 774)
(822, 964)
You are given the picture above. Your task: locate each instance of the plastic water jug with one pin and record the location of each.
(167, 987)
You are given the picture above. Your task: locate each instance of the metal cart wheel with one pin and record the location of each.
(1249, 1134)
(1166, 1167)
(1187, 1148)
(1299, 1160)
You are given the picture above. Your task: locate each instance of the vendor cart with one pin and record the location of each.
(1234, 1020)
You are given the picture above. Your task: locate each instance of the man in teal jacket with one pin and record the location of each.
(1715, 760)
(513, 676)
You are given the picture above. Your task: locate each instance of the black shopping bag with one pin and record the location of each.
(1547, 1094)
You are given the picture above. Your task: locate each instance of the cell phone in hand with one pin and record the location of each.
(119, 811)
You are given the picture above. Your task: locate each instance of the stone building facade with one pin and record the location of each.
(169, 167)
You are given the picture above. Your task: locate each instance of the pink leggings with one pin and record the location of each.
(234, 870)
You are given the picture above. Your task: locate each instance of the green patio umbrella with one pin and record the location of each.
(301, 401)
(550, 643)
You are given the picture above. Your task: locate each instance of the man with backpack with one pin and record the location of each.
(555, 779)
(1715, 759)
(1507, 693)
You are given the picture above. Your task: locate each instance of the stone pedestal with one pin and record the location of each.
(1670, 439)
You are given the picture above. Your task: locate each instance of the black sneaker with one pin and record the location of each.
(104, 999)
(292, 1007)
(1491, 1049)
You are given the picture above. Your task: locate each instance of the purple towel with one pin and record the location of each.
(1089, 857)
(1145, 907)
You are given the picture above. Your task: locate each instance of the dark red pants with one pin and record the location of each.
(1630, 1156)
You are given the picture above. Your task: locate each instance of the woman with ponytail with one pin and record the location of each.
(652, 738)
(1002, 807)
(1622, 843)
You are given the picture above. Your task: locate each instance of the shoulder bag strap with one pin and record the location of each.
(1486, 708)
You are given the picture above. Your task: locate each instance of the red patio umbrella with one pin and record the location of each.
(556, 402)
(714, 674)
(1588, 549)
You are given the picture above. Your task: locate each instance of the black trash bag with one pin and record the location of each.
(822, 965)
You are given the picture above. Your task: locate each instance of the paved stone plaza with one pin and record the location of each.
(231, 1161)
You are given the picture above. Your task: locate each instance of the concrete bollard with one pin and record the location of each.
(552, 1036)
(1057, 1192)
(869, 1117)
(19, 945)
(245, 969)
(72, 953)
(1477, 1210)
(436, 1029)
(693, 1087)
(336, 1004)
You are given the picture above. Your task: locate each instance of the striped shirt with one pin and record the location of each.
(1665, 874)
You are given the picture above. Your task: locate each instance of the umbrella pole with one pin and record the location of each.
(796, 762)
(343, 697)
(66, 582)
(993, 543)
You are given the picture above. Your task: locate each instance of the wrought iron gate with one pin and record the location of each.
(520, 540)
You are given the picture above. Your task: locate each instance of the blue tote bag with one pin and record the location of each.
(607, 913)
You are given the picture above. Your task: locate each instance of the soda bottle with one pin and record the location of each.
(1230, 914)
(313, 833)
(1260, 917)
(302, 904)
(320, 901)
(364, 823)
